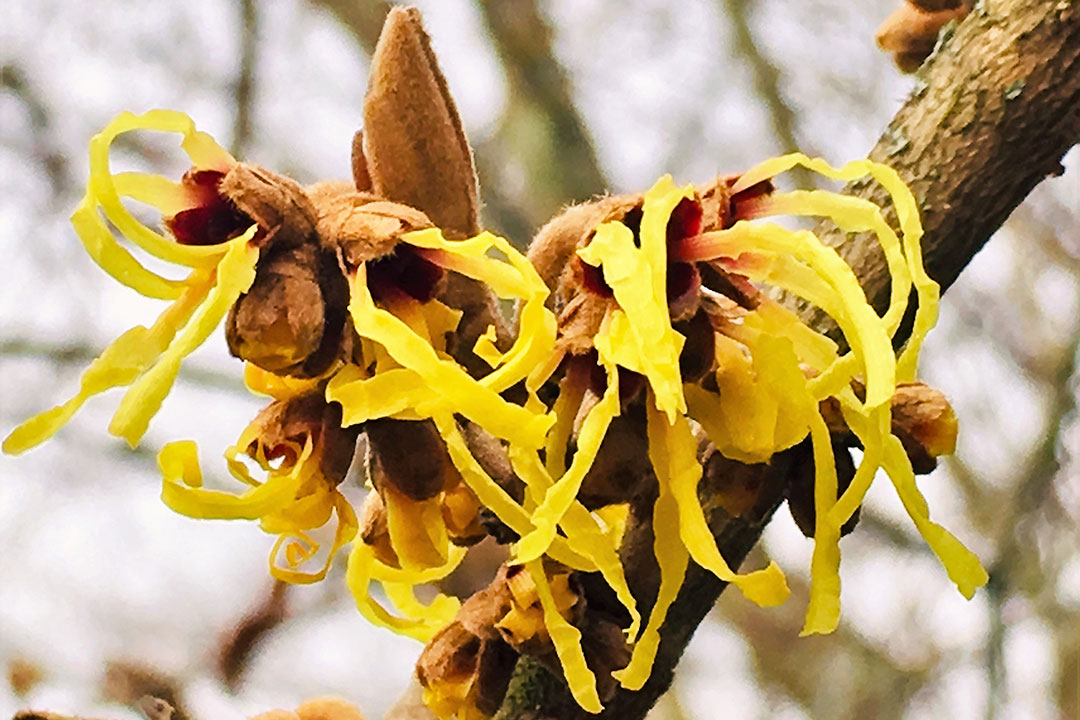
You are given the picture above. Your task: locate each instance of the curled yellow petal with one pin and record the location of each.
(346, 530)
(417, 620)
(103, 187)
(182, 488)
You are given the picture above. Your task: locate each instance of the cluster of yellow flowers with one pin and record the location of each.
(762, 392)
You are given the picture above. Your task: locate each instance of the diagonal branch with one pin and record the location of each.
(997, 107)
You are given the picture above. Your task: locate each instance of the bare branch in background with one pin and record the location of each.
(241, 642)
(51, 159)
(245, 81)
(841, 676)
(80, 355)
(541, 128)
(766, 77)
(362, 18)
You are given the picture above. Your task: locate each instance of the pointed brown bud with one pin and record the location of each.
(416, 150)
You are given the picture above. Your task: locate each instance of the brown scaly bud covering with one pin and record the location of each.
(292, 320)
(801, 489)
(922, 418)
(910, 33)
(467, 665)
(276, 203)
(925, 422)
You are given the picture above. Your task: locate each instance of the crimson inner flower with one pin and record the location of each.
(213, 219)
(404, 271)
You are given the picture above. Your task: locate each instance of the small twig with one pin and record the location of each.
(766, 78)
(240, 643)
(80, 354)
(245, 81)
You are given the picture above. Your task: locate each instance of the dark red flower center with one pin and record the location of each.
(404, 271)
(213, 219)
(684, 222)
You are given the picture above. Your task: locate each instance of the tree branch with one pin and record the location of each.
(996, 108)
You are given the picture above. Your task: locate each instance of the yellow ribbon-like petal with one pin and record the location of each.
(567, 641)
(673, 452)
(234, 276)
(120, 364)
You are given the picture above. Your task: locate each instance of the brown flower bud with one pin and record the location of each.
(292, 319)
(622, 468)
(410, 456)
(801, 488)
(910, 33)
(925, 422)
(290, 422)
(468, 663)
(921, 417)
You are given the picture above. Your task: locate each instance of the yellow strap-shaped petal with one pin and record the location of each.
(852, 215)
(823, 609)
(363, 568)
(673, 559)
(567, 641)
(119, 364)
(279, 387)
(907, 212)
(102, 247)
(641, 335)
(480, 404)
(513, 278)
(102, 186)
(862, 327)
(559, 497)
(494, 497)
(583, 535)
(386, 394)
(673, 452)
(233, 277)
(417, 530)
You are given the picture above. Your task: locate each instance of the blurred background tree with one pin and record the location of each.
(562, 100)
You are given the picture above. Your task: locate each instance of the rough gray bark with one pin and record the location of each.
(995, 109)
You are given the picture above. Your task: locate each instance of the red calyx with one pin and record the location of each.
(742, 204)
(213, 219)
